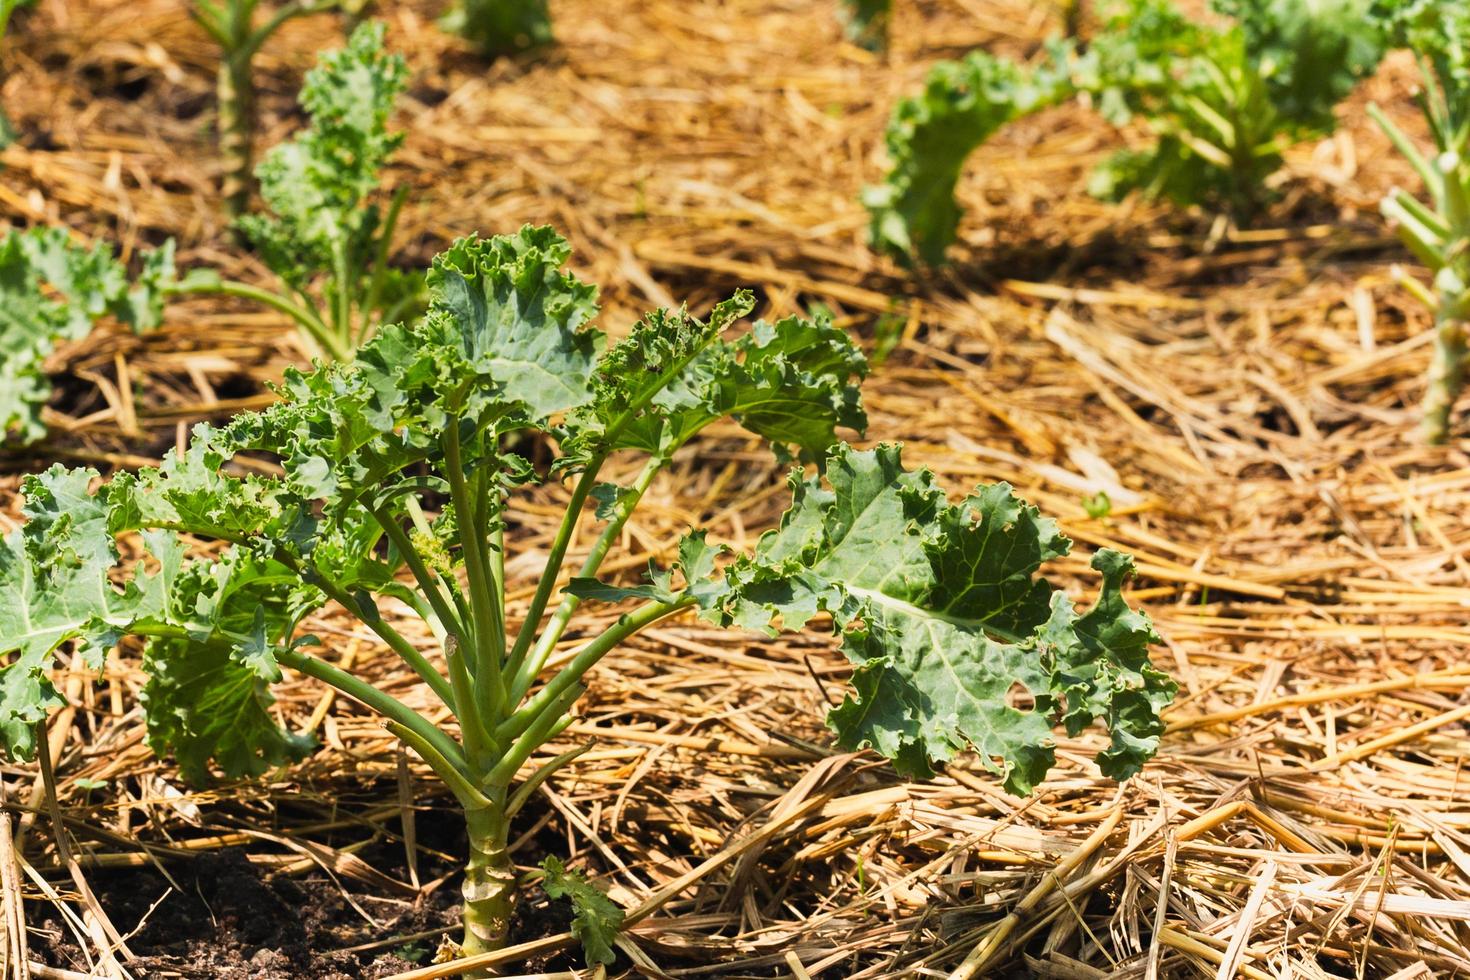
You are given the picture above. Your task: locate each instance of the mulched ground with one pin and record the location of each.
(1245, 396)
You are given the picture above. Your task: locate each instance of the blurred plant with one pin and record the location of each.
(53, 290)
(1222, 103)
(231, 24)
(866, 22)
(326, 240)
(1437, 233)
(500, 27)
(913, 213)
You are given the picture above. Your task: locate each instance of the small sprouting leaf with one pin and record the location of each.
(596, 918)
(1098, 505)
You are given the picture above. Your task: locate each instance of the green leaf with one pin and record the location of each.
(500, 27)
(789, 382)
(320, 186)
(504, 308)
(596, 918)
(52, 290)
(55, 586)
(207, 696)
(913, 213)
(951, 628)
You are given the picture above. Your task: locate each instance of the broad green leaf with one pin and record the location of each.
(55, 586)
(503, 306)
(958, 642)
(596, 918)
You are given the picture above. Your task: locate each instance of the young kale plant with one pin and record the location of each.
(1437, 233)
(231, 24)
(53, 290)
(500, 27)
(394, 503)
(1222, 103)
(326, 240)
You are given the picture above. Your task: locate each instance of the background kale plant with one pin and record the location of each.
(326, 239)
(394, 495)
(232, 25)
(1222, 102)
(500, 27)
(53, 290)
(1437, 233)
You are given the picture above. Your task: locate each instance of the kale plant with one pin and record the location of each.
(1222, 102)
(326, 239)
(393, 502)
(53, 290)
(1438, 233)
(231, 24)
(500, 27)
(866, 22)
(913, 213)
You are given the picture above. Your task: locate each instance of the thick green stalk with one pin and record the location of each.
(235, 101)
(490, 879)
(1446, 372)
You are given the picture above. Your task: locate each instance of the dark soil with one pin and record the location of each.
(224, 917)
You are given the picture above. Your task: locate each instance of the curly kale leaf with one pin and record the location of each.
(957, 641)
(53, 290)
(1311, 53)
(913, 213)
(788, 382)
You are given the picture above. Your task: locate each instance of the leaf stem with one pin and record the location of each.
(526, 673)
(305, 318)
(551, 571)
(429, 582)
(384, 704)
(489, 640)
(626, 625)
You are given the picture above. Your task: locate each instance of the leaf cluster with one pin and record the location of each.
(913, 213)
(1222, 102)
(53, 290)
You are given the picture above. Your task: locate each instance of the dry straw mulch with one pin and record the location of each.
(1244, 396)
